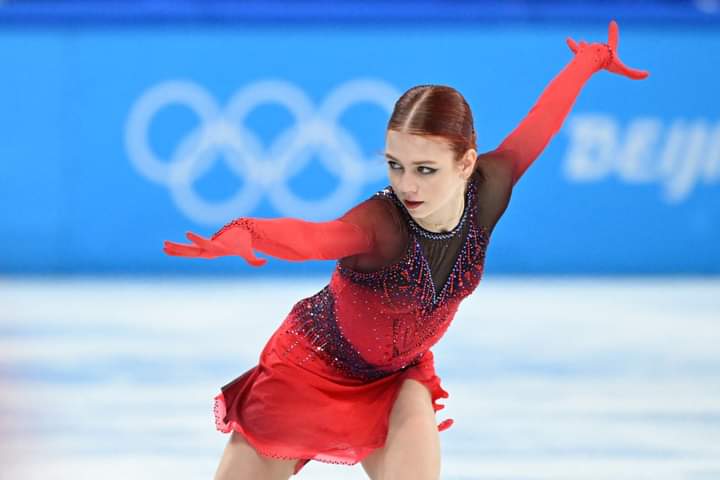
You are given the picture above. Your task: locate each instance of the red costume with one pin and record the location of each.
(327, 379)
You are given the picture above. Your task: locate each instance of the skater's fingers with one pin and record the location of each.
(571, 43)
(198, 240)
(168, 243)
(183, 250)
(256, 262)
(633, 73)
(613, 34)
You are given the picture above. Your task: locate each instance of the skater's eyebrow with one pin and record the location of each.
(413, 163)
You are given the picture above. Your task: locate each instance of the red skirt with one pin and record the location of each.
(293, 405)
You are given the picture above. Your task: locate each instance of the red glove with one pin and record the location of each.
(529, 138)
(286, 238)
(606, 54)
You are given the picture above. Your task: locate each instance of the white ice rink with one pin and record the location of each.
(548, 378)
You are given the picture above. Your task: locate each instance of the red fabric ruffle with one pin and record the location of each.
(291, 406)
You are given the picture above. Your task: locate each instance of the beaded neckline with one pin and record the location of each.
(418, 229)
(476, 234)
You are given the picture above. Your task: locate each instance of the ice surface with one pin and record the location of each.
(549, 378)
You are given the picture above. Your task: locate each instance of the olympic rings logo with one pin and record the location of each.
(221, 134)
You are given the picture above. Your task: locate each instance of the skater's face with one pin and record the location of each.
(426, 176)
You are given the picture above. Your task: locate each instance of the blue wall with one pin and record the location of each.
(132, 12)
(114, 140)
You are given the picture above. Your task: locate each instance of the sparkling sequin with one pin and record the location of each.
(314, 320)
(392, 316)
(243, 222)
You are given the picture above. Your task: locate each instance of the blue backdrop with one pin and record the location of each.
(115, 140)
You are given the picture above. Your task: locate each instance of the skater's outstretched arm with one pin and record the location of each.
(285, 238)
(529, 138)
(352, 234)
(502, 168)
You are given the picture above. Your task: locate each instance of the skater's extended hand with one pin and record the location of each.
(233, 241)
(605, 54)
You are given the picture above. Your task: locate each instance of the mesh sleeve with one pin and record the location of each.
(380, 217)
(501, 168)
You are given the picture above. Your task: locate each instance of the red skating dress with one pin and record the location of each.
(326, 380)
(329, 375)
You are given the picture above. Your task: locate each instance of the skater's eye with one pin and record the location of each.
(422, 169)
(428, 170)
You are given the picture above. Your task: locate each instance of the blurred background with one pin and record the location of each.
(590, 349)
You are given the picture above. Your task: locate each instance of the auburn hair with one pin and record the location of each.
(436, 110)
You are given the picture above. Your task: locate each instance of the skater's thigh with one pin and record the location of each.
(412, 447)
(240, 461)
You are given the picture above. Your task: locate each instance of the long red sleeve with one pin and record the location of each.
(295, 239)
(366, 237)
(529, 138)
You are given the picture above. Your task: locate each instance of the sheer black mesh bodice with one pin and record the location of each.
(392, 225)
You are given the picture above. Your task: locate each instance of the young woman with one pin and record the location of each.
(349, 376)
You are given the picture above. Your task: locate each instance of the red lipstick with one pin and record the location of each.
(411, 205)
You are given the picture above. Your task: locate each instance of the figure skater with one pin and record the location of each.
(349, 376)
